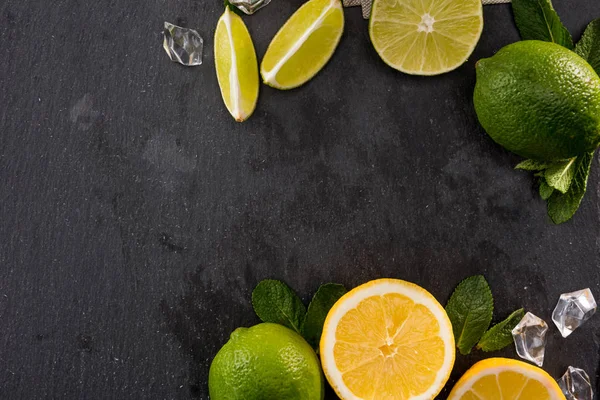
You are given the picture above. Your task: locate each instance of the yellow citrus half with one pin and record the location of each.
(506, 379)
(387, 339)
(425, 37)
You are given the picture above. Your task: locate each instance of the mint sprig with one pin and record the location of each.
(500, 335)
(561, 207)
(589, 45)
(470, 310)
(537, 20)
(276, 302)
(562, 184)
(560, 175)
(324, 299)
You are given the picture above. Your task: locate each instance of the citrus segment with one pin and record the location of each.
(387, 339)
(236, 65)
(502, 378)
(426, 37)
(304, 44)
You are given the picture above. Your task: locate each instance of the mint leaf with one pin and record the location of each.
(559, 175)
(561, 207)
(532, 165)
(274, 301)
(470, 311)
(589, 45)
(500, 335)
(318, 308)
(545, 190)
(537, 20)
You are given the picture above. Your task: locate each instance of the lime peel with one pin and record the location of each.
(269, 77)
(236, 66)
(304, 44)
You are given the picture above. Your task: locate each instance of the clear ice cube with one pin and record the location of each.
(572, 310)
(249, 6)
(575, 385)
(183, 45)
(530, 338)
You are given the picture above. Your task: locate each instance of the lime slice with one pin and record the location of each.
(304, 44)
(425, 37)
(237, 68)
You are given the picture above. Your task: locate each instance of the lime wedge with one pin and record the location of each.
(304, 44)
(425, 37)
(236, 64)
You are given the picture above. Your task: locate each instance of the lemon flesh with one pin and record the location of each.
(387, 339)
(503, 378)
(425, 37)
(236, 65)
(304, 44)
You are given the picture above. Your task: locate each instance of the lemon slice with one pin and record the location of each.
(387, 339)
(425, 37)
(502, 378)
(236, 64)
(304, 44)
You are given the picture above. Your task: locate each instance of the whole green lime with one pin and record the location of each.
(267, 362)
(539, 100)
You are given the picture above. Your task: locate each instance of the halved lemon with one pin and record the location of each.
(503, 378)
(387, 339)
(236, 64)
(304, 44)
(425, 37)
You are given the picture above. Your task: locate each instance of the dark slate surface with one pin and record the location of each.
(136, 216)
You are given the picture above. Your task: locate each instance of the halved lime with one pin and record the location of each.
(425, 37)
(236, 64)
(304, 44)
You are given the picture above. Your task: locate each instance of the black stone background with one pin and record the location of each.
(136, 216)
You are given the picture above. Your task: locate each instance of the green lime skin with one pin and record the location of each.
(539, 100)
(266, 362)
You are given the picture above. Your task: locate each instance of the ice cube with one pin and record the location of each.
(249, 6)
(575, 385)
(572, 310)
(530, 338)
(183, 45)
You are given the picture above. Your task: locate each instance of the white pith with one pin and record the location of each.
(234, 83)
(426, 24)
(352, 299)
(270, 77)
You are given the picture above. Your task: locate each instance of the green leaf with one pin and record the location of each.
(560, 175)
(561, 207)
(532, 165)
(537, 20)
(318, 308)
(500, 335)
(589, 45)
(545, 190)
(470, 311)
(274, 301)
